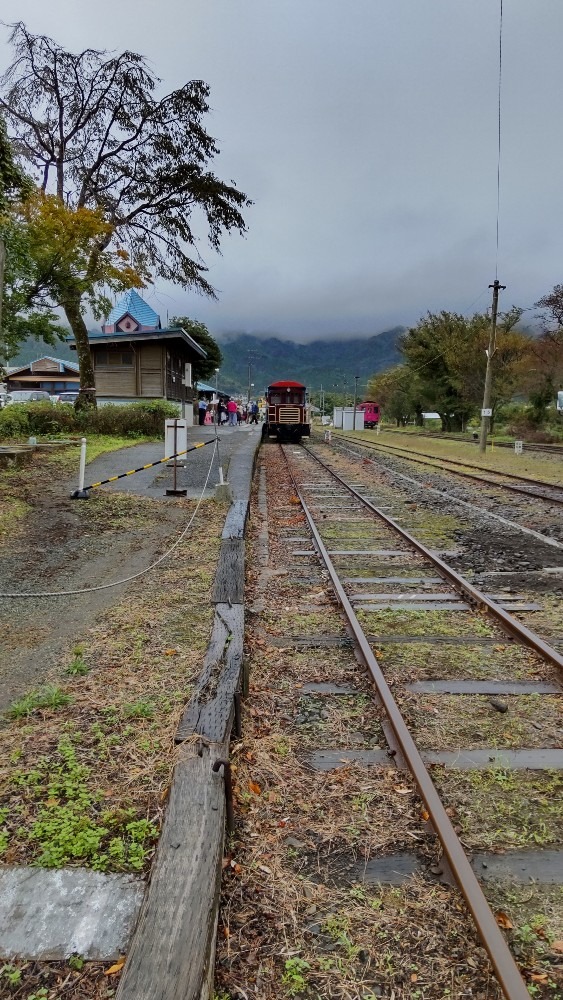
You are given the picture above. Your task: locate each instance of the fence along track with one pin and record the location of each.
(411, 456)
(491, 936)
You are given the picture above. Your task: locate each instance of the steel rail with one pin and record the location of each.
(413, 457)
(508, 623)
(548, 449)
(505, 967)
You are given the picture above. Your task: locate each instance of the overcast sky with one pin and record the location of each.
(366, 134)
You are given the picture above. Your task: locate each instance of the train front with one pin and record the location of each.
(287, 412)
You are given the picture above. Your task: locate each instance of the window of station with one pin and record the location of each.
(123, 359)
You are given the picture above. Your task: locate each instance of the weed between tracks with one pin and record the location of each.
(407, 622)
(447, 722)
(406, 662)
(501, 809)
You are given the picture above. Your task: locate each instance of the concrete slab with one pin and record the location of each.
(50, 915)
(484, 687)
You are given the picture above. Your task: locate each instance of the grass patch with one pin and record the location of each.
(416, 661)
(12, 513)
(448, 722)
(498, 808)
(88, 758)
(64, 822)
(44, 698)
(447, 623)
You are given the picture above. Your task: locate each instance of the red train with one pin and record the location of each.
(287, 412)
(371, 413)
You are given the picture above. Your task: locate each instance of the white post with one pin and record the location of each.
(81, 493)
(82, 471)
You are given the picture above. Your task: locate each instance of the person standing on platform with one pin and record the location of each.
(232, 411)
(253, 412)
(202, 407)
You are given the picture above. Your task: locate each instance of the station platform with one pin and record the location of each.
(154, 482)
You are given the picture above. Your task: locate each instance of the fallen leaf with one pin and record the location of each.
(503, 920)
(425, 815)
(254, 787)
(170, 652)
(114, 969)
(414, 977)
(557, 946)
(265, 869)
(402, 790)
(294, 500)
(540, 977)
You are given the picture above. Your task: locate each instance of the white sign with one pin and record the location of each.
(487, 412)
(181, 437)
(560, 401)
(518, 447)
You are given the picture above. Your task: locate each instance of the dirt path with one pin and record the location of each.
(61, 544)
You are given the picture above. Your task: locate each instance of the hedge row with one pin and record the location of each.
(132, 420)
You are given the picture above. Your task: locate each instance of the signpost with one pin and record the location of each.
(518, 447)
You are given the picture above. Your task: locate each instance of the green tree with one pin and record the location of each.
(397, 392)
(201, 370)
(91, 122)
(446, 352)
(21, 311)
(14, 184)
(49, 246)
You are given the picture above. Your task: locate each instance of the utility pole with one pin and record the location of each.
(3, 350)
(486, 409)
(356, 380)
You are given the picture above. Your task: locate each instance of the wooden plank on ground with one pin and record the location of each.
(173, 948)
(210, 708)
(228, 587)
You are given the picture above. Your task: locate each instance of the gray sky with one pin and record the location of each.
(366, 134)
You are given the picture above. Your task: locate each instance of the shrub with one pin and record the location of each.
(132, 419)
(14, 421)
(127, 420)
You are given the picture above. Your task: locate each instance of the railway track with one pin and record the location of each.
(414, 623)
(548, 449)
(535, 488)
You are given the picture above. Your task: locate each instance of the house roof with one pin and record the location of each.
(44, 357)
(133, 304)
(169, 333)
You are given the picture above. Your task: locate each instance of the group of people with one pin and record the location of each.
(232, 413)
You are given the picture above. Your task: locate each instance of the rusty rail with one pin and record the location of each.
(508, 623)
(505, 967)
(413, 457)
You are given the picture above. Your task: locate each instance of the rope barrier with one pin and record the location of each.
(134, 576)
(149, 465)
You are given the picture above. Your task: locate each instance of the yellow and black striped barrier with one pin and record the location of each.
(168, 458)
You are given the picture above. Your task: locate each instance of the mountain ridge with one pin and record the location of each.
(332, 363)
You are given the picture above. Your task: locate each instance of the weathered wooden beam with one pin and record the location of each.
(228, 587)
(209, 711)
(173, 950)
(174, 944)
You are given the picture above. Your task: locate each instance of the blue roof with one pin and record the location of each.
(133, 304)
